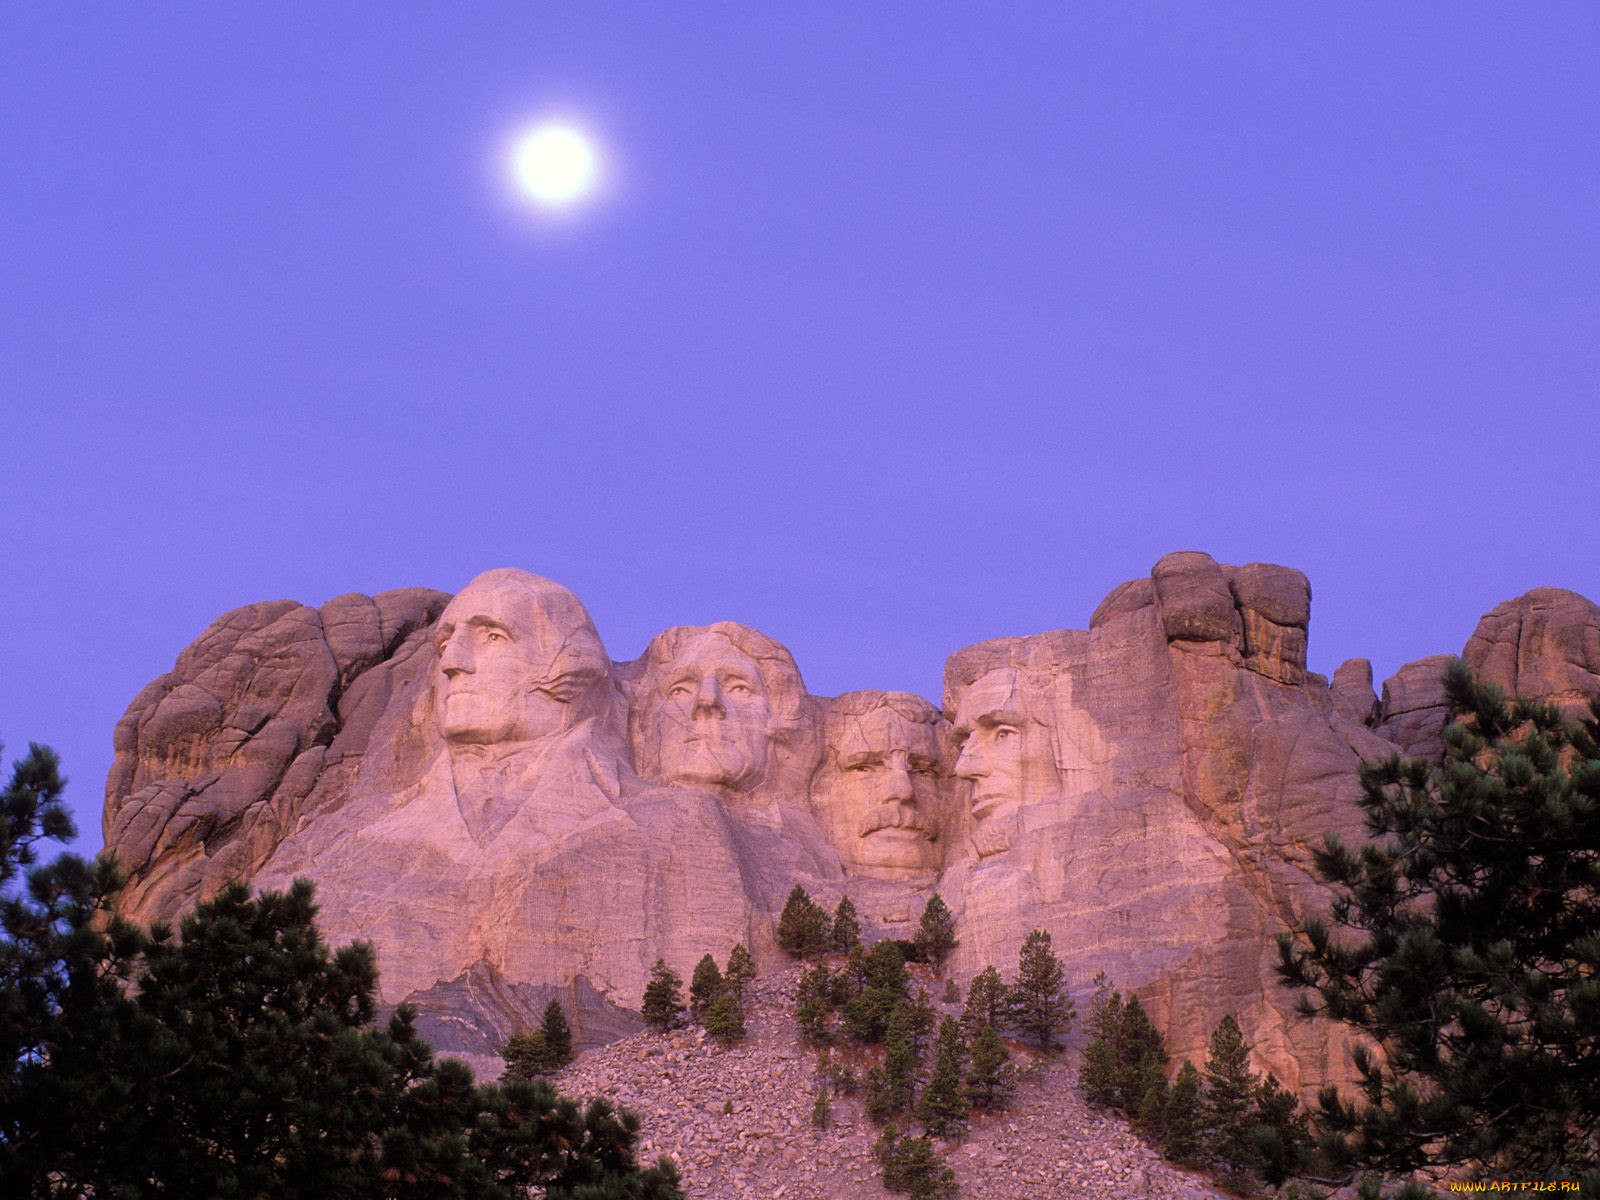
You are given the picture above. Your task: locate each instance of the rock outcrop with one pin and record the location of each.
(508, 814)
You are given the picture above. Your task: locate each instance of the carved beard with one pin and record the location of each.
(994, 836)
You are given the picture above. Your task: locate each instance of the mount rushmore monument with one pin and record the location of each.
(508, 814)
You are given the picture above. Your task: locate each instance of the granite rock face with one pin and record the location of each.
(508, 814)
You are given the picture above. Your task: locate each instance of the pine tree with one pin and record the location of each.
(705, 985)
(557, 1035)
(724, 1020)
(1150, 1116)
(1100, 1074)
(740, 972)
(1124, 1054)
(1230, 1100)
(1475, 958)
(663, 998)
(821, 1109)
(1036, 1003)
(986, 1002)
(1280, 1138)
(921, 1020)
(896, 1090)
(804, 930)
(1139, 1048)
(991, 1078)
(845, 934)
(887, 1151)
(936, 933)
(943, 1107)
(886, 985)
(526, 1056)
(1180, 1137)
(851, 977)
(911, 1165)
(812, 1005)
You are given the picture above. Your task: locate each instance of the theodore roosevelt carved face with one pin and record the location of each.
(712, 701)
(517, 656)
(990, 725)
(878, 792)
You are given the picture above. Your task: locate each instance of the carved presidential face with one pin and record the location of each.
(989, 729)
(508, 663)
(880, 792)
(712, 715)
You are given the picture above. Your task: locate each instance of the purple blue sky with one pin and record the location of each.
(894, 327)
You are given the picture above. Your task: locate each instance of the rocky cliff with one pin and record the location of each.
(509, 814)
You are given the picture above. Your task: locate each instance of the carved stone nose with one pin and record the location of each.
(709, 695)
(897, 784)
(455, 660)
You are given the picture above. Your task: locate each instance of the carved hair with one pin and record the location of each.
(852, 706)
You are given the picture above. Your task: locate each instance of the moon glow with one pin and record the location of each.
(554, 165)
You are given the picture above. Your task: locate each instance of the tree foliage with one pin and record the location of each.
(986, 1002)
(1037, 1003)
(813, 1005)
(1230, 1100)
(845, 932)
(1472, 955)
(911, 1165)
(663, 998)
(1125, 1051)
(1181, 1126)
(892, 1089)
(705, 985)
(740, 971)
(545, 1050)
(991, 1076)
(557, 1034)
(724, 1020)
(936, 933)
(884, 986)
(804, 928)
(943, 1107)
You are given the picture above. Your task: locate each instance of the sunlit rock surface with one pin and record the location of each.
(508, 814)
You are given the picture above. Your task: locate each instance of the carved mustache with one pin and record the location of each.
(898, 816)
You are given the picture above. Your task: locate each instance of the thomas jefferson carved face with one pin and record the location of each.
(712, 715)
(515, 651)
(989, 728)
(879, 790)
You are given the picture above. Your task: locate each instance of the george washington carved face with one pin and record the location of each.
(515, 654)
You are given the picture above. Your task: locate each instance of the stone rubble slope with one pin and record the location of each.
(1048, 1143)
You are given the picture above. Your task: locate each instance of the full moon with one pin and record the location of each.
(554, 165)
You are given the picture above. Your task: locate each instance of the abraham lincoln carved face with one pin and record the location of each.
(990, 729)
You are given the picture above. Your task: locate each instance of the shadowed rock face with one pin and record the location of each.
(507, 814)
